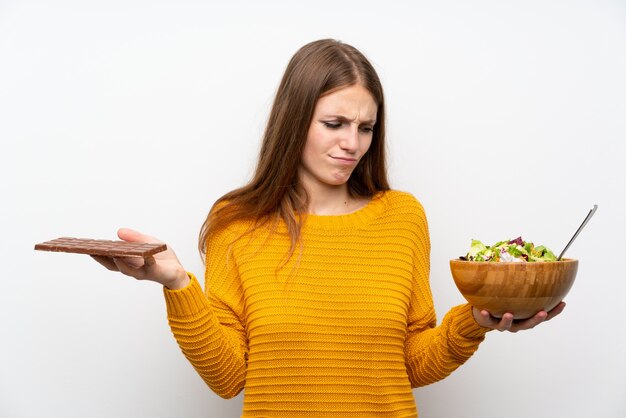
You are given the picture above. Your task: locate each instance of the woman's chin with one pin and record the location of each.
(338, 182)
(340, 179)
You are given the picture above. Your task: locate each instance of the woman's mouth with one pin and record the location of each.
(344, 160)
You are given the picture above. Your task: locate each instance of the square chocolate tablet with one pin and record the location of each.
(101, 247)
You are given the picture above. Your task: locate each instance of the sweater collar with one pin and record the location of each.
(357, 219)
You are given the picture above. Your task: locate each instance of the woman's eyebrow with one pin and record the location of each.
(347, 119)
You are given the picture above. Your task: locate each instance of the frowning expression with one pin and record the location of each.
(339, 135)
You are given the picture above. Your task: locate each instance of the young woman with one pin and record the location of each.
(317, 299)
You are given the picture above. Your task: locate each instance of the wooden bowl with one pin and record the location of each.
(520, 288)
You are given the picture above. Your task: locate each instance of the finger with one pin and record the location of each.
(132, 262)
(149, 265)
(506, 322)
(131, 235)
(490, 321)
(540, 317)
(124, 266)
(529, 323)
(556, 310)
(107, 262)
(487, 320)
(149, 261)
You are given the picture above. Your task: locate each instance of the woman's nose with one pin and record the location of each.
(350, 139)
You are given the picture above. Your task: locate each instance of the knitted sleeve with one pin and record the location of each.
(434, 352)
(209, 326)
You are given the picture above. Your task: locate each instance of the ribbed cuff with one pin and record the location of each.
(188, 301)
(466, 325)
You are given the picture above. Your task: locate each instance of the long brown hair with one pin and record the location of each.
(274, 193)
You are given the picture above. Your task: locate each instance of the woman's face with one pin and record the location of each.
(339, 135)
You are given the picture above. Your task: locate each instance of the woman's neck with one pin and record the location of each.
(333, 201)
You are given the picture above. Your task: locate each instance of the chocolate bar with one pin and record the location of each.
(101, 247)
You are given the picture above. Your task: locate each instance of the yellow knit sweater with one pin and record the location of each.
(344, 329)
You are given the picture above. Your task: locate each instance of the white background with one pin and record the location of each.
(505, 118)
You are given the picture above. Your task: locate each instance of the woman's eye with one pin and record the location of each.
(332, 125)
(367, 129)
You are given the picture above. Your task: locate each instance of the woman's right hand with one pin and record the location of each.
(163, 267)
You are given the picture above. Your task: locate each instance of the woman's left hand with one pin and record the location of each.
(506, 323)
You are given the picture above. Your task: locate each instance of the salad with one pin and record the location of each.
(515, 250)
